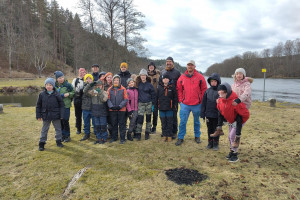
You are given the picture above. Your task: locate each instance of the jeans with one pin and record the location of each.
(87, 116)
(65, 125)
(101, 127)
(184, 116)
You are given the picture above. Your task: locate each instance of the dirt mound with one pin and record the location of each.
(185, 176)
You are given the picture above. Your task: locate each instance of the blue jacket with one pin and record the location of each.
(146, 91)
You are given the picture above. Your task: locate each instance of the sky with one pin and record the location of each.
(210, 31)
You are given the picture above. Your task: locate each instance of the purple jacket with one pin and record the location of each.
(132, 103)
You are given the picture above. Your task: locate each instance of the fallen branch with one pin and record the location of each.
(73, 181)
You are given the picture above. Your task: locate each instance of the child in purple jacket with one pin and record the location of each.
(132, 106)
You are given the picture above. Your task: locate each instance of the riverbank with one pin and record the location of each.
(269, 153)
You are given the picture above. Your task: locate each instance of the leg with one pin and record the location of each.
(57, 127)
(231, 137)
(148, 120)
(103, 128)
(140, 119)
(196, 110)
(97, 127)
(210, 130)
(239, 125)
(169, 125)
(219, 130)
(114, 123)
(154, 121)
(175, 124)
(132, 125)
(66, 125)
(78, 115)
(122, 125)
(184, 115)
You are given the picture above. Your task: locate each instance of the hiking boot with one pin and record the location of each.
(179, 142)
(42, 146)
(174, 136)
(85, 137)
(129, 137)
(218, 132)
(112, 140)
(138, 136)
(153, 130)
(229, 155)
(78, 132)
(63, 138)
(67, 139)
(164, 139)
(234, 157)
(216, 146)
(147, 136)
(122, 142)
(59, 144)
(169, 139)
(210, 144)
(197, 140)
(236, 142)
(102, 141)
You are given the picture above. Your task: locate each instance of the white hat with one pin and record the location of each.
(242, 70)
(191, 62)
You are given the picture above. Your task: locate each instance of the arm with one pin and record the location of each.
(109, 103)
(38, 109)
(243, 112)
(203, 105)
(153, 95)
(61, 106)
(125, 99)
(247, 92)
(179, 90)
(203, 86)
(71, 91)
(128, 103)
(175, 99)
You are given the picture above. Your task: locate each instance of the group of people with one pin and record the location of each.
(110, 100)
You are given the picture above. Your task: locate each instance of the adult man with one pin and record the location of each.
(95, 72)
(174, 75)
(124, 74)
(191, 87)
(154, 74)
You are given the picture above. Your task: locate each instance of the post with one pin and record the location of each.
(1, 108)
(264, 71)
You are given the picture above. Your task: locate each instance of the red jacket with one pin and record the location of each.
(229, 111)
(191, 89)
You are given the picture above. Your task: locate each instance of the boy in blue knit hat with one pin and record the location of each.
(50, 108)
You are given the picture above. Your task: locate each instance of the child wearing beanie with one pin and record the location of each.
(132, 107)
(50, 108)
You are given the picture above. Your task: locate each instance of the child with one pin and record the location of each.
(209, 110)
(132, 107)
(66, 91)
(229, 112)
(117, 101)
(146, 102)
(99, 111)
(87, 107)
(107, 80)
(166, 101)
(50, 108)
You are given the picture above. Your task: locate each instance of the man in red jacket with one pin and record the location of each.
(190, 87)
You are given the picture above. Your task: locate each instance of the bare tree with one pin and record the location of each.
(87, 7)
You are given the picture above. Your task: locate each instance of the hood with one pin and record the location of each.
(139, 80)
(214, 76)
(228, 89)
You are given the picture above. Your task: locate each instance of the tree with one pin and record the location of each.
(87, 7)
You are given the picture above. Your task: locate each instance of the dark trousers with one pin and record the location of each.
(118, 122)
(175, 122)
(238, 120)
(65, 126)
(166, 118)
(211, 124)
(78, 114)
(155, 116)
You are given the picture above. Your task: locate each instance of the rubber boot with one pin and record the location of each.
(210, 144)
(216, 144)
(138, 136)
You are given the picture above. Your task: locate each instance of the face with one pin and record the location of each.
(166, 80)
(131, 84)
(222, 94)
(239, 76)
(116, 81)
(82, 74)
(101, 76)
(213, 83)
(49, 87)
(99, 86)
(123, 69)
(109, 79)
(190, 67)
(89, 80)
(143, 78)
(61, 79)
(151, 68)
(169, 63)
(95, 69)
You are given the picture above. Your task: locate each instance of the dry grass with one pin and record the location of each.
(268, 167)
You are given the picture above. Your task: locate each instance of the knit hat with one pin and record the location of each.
(170, 58)
(124, 64)
(114, 77)
(151, 63)
(58, 74)
(222, 87)
(128, 80)
(88, 75)
(102, 73)
(81, 70)
(242, 70)
(143, 72)
(95, 65)
(50, 81)
(165, 76)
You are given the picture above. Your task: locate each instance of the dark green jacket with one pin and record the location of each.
(63, 88)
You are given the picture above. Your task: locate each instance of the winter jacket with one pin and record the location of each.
(173, 73)
(146, 90)
(133, 94)
(191, 88)
(117, 96)
(50, 106)
(106, 86)
(99, 98)
(166, 98)
(124, 77)
(230, 111)
(86, 98)
(154, 76)
(209, 104)
(63, 88)
(95, 76)
(77, 84)
(243, 89)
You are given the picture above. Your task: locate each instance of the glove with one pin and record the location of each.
(203, 119)
(152, 108)
(98, 90)
(118, 107)
(114, 107)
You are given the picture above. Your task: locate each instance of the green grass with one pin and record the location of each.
(268, 167)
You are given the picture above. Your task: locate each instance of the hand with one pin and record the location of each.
(40, 119)
(130, 114)
(66, 94)
(152, 108)
(234, 103)
(114, 108)
(118, 107)
(92, 84)
(203, 119)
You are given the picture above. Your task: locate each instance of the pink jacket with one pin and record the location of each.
(243, 90)
(132, 103)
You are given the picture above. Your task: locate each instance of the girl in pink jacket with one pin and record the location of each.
(132, 107)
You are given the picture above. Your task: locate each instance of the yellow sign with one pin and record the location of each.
(264, 70)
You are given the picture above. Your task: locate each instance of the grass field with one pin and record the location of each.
(269, 166)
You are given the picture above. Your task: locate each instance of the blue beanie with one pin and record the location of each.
(58, 74)
(50, 81)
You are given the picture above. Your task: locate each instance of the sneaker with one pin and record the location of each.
(197, 140)
(218, 132)
(233, 158)
(179, 142)
(229, 155)
(67, 139)
(122, 142)
(236, 142)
